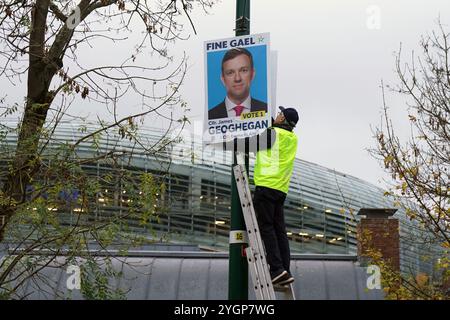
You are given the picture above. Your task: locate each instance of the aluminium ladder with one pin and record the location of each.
(256, 257)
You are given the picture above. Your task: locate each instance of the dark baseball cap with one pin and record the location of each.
(290, 114)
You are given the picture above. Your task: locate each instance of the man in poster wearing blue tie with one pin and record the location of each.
(237, 74)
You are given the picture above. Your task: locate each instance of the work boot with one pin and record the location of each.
(282, 276)
(289, 279)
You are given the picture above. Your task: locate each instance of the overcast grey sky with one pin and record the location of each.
(332, 56)
(331, 59)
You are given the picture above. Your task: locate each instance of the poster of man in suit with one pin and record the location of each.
(237, 87)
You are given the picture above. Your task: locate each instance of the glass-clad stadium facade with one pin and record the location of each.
(320, 209)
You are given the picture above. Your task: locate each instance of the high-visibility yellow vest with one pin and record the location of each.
(274, 166)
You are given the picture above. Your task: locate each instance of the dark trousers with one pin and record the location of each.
(268, 205)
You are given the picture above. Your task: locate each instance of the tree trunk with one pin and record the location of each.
(37, 104)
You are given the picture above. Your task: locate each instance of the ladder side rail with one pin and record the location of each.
(259, 281)
(253, 273)
(291, 288)
(261, 271)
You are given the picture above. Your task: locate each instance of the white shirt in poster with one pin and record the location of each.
(231, 105)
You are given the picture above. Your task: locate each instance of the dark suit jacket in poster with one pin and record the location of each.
(220, 111)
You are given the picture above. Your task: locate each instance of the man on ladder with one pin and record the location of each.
(275, 153)
(272, 174)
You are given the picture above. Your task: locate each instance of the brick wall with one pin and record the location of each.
(384, 236)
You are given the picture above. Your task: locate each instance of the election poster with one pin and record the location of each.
(237, 82)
